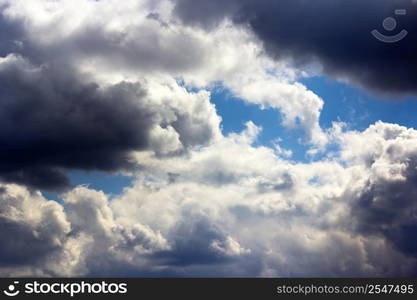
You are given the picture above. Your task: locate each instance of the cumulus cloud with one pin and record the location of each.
(341, 217)
(90, 92)
(67, 122)
(29, 218)
(386, 203)
(117, 47)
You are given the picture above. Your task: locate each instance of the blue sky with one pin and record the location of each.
(358, 108)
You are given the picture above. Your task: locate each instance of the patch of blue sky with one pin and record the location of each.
(235, 113)
(358, 108)
(342, 102)
(110, 183)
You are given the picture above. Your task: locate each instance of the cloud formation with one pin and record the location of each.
(352, 216)
(335, 34)
(71, 119)
(89, 93)
(130, 90)
(67, 122)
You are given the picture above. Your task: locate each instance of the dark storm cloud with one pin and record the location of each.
(336, 33)
(51, 120)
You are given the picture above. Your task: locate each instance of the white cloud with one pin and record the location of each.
(267, 218)
(123, 43)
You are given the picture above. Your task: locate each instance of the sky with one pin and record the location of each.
(192, 138)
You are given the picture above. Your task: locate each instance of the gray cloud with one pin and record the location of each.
(334, 33)
(31, 228)
(198, 240)
(356, 218)
(54, 120)
(55, 117)
(51, 120)
(388, 208)
(385, 204)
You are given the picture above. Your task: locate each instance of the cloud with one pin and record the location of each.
(67, 122)
(26, 218)
(386, 203)
(70, 117)
(340, 217)
(129, 90)
(64, 123)
(300, 218)
(336, 34)
(88, 94)
(113, 48)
